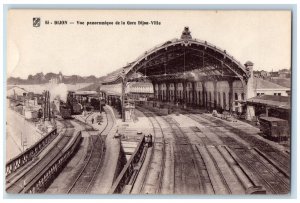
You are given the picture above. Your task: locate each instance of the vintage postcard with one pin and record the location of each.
(148, 102)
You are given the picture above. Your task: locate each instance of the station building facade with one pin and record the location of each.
(225, 95)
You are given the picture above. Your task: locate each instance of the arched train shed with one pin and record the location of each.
(191, 72)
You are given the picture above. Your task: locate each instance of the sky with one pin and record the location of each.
(263, 37)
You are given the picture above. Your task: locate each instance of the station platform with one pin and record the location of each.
(105, 178)
(131, 132)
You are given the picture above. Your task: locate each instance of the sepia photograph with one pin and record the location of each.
(148, 102)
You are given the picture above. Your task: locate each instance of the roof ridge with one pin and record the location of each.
(267, 84)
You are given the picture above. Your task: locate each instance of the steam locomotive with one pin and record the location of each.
(70, 107)
(65, 111)
(73, 107)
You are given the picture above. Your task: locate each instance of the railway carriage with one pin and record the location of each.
(274, 128)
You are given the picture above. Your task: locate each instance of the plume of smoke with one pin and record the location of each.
(59, 91)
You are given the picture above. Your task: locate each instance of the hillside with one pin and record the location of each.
(40, 78)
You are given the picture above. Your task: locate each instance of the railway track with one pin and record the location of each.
(110, 122)
(274, 183)
(190, 175)
(67, 123)
(17, 183)
(157, 160)
(219, 183)
(218, 170)
(270, 171)
(201, 167)
(94, 159)
(217, 177)
(281, 158)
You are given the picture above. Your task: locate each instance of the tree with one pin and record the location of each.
(30, 77)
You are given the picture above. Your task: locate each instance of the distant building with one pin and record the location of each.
(265, 87)
(261, 74)
(56, 80)
(16, 91)
(25, 102)
(274, 74)
(140, 90)
(30, 114)
(284, 73)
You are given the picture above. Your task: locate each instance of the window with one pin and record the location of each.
(279, 94)
(257, 94)
(275, 94)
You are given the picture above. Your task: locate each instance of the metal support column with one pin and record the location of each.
(175, 92)
(194, 93)
(154, 90)
(159, 91)
(230, 95)
(184, 93)
(215, 93)
(168, 91)
(204, 95)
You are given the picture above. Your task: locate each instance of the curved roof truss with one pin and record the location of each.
(177, 58)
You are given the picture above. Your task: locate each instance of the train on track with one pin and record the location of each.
(65, 111)
(274, 128)
(73, 107)
(70, 107)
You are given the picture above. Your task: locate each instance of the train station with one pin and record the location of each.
(188, 72)
(185, 117)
